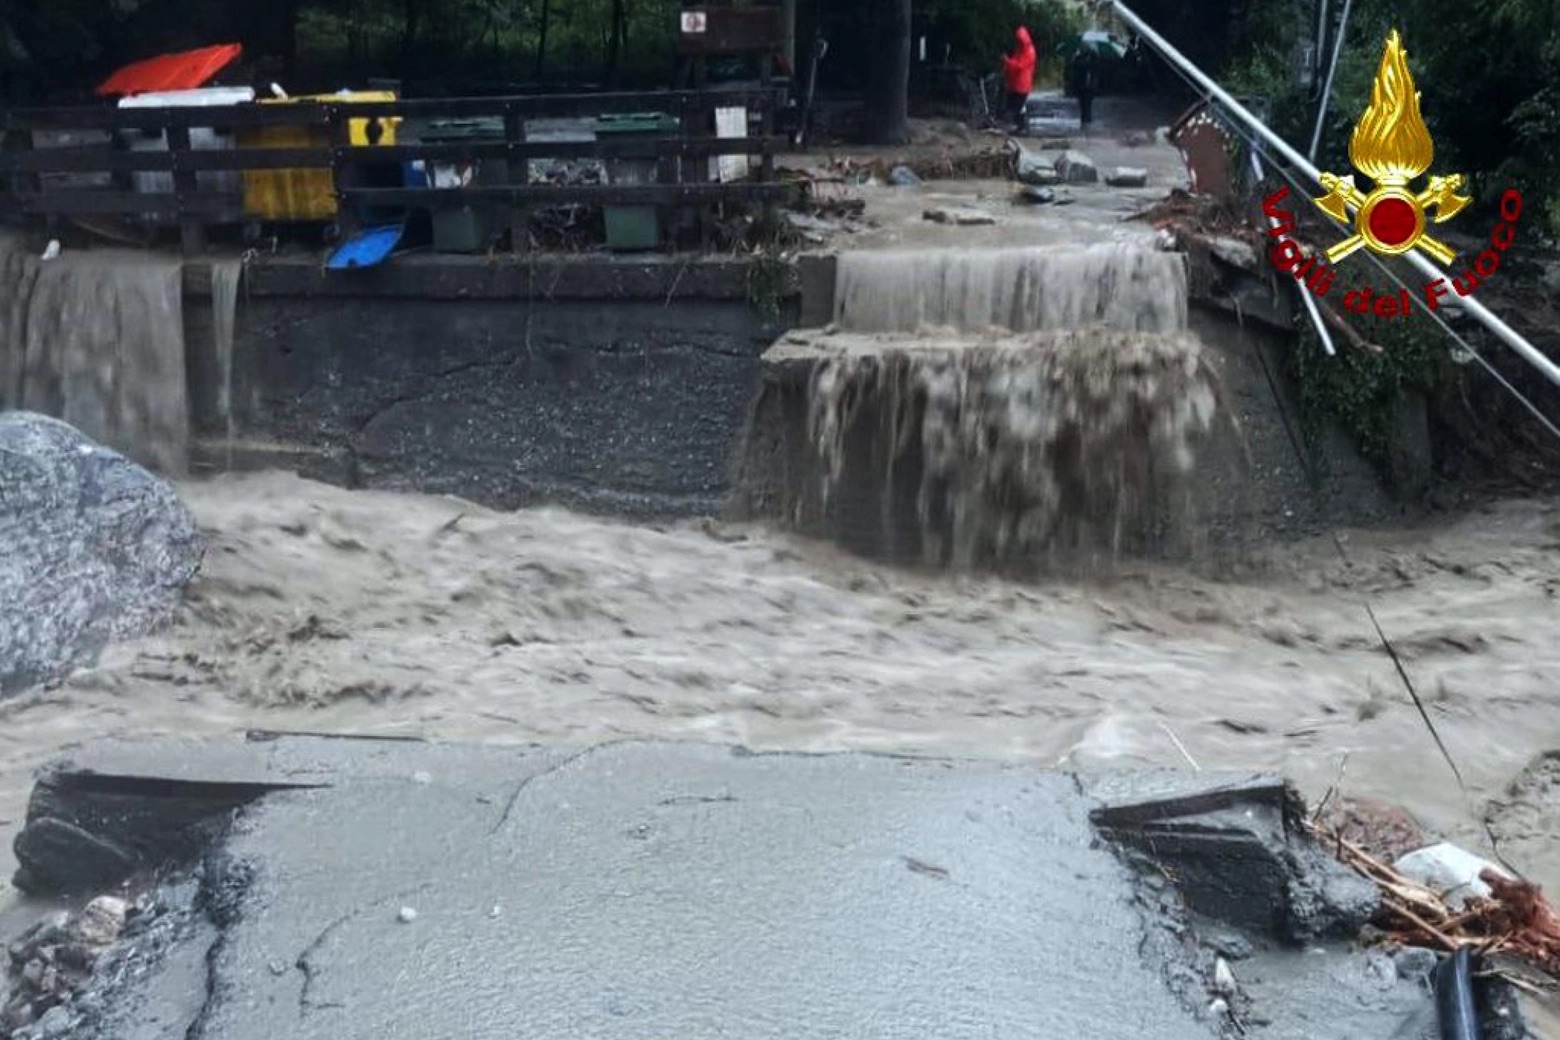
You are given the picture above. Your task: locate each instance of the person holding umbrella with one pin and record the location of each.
(1018, 75)
(1084, 53)
(1082, 75)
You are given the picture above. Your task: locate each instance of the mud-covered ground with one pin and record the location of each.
(363, 612)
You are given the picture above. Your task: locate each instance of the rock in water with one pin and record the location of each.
(1033, 169)
(1127, 177)
(960, 216)
(97, 549)
(1076, 168)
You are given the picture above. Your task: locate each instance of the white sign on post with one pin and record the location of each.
(694, 22)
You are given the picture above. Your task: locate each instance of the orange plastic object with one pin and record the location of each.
(184, 71)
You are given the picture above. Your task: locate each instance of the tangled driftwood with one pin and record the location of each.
(1515, 919)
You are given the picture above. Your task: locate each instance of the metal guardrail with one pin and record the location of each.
(1505, 333)
(683, 178)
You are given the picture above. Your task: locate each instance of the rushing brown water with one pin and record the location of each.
(1052, 446)
(96, 337)
(370, 612)
(1028, 409)
(364, 612)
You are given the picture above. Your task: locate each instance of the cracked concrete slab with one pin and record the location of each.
(680, 890)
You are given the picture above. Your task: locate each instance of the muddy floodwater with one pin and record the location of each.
(377, 613)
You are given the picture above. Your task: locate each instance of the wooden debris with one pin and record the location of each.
(1516, 920)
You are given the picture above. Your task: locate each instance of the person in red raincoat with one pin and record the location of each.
(1018, 76)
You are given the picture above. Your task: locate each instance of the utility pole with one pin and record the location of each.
(788, 34)
(1332, 68)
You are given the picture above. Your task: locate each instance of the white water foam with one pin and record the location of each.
(1118, 285)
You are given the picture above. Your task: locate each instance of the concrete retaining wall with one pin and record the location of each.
(625, 385)
(612, 385)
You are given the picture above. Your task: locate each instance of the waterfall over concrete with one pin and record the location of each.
(1022, 408)
(1120, 286)
(96, 338)
(225, 277)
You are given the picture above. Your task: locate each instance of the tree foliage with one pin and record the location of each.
(1489, 75)
(62, 46)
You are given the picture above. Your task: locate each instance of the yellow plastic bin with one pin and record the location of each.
(303, 195)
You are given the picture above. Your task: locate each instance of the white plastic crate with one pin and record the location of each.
(160, 181)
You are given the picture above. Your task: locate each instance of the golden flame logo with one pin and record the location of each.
(1391, 145)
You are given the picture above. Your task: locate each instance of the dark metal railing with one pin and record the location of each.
(329, 127)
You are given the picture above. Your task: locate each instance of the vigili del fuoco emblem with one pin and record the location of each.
(1391, 146)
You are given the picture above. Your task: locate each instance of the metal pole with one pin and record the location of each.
(1321, 33)
(1305, 294)
(1505, 333)
(1332, 68)
(788, 35)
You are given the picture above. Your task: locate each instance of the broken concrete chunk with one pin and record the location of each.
(102, 920)
(71, 859)
(1241, 858)
(55, 1022)
(1127, 177)
(1076, 168)
(962, 216)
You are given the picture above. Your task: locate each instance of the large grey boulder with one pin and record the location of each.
(93, 549)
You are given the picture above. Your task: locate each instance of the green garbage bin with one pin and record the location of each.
(634, 227)
(464, 229)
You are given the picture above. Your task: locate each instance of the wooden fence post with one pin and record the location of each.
(344, 170)
(519, 216)
(186, 183)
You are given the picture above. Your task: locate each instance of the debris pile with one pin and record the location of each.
(821, 218)
(1513, 919)
(52, 961)
(985, 164)
(1186, 214)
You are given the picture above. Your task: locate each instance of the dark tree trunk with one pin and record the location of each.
(615, 41)
(271, 31)
(887, 113)
(412, 12)
(541, 37)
